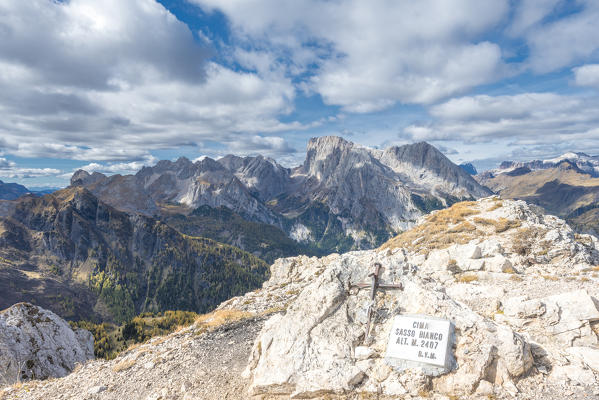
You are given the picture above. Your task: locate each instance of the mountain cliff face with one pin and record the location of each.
(80, 257)
(264, 177)
(344, 196)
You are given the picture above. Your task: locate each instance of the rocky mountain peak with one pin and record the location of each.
(208, 164)
(420, 155)
(326, 144)
(565, 165)
(330, 155)
(84, 178)
(264, 177)
(469, 168)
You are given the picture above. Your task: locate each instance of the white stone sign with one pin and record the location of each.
(421, 341)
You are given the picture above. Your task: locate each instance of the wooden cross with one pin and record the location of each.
(374, 285)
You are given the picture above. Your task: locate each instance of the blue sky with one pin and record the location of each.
(112, 85)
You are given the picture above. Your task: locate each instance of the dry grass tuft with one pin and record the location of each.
(454, 214)
(550, 277)
(506, 224)
(123, 365)
(496, 205)
(523, 240)
(440, 230)
(467, 277)
(220, 317)
(500, 224)
(273, 310)
(134, 346)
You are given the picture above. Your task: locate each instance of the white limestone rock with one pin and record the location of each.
(498, 263)
(363, 352)
(36, 343)
(587, 355)
(484, 299)
(563, 319)
(311, 348)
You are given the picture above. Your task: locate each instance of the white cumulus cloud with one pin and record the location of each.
(112, 80)
(587, 75)
(371, 55)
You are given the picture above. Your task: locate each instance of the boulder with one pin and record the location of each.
(36, 344)
(587, 355)
(521, 307)
(563, 320)
(498, 263)
(569, 316)
(463, 252)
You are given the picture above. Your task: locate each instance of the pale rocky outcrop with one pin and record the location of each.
(36, 343)
(315, 346)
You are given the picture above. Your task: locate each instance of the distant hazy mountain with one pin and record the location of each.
(42, 190)
(11, 191)
(567, 186)
(343, 196)
(586, 163)
(74, 254)
(468, 167)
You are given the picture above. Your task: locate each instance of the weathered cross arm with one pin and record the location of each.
(374, 285)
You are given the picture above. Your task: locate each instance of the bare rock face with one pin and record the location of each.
(315, 346)
(36, 344)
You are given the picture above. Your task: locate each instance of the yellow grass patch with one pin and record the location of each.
(134, 346)
(123, 365)
(497, 204)
(467, 277)
(440, 230)
(500, 224)
(220, 317)
(550, 277)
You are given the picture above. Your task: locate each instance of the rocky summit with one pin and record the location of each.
(518, 287)
(38, 344)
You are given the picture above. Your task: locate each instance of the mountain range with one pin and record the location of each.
(566, 186)
(584, 162)
(344, 196)
(187, 235)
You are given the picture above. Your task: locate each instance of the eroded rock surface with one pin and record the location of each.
(37, 344)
